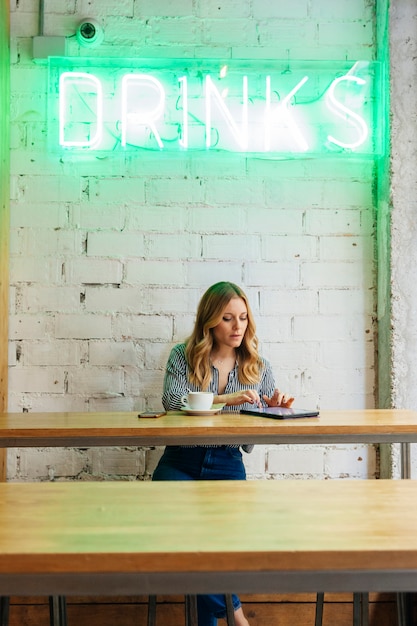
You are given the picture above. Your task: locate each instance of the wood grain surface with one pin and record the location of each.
(356, 426)
(208, 526)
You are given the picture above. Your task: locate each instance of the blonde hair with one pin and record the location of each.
(200, 343)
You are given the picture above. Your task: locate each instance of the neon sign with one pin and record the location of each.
(263, 107)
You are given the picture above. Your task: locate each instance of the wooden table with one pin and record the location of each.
(104, 429)
(210, 536)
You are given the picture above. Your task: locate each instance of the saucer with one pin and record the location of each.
(216, 408)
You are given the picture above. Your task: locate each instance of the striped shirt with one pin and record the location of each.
(177, 384)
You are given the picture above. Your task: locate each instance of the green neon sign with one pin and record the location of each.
(263, 107)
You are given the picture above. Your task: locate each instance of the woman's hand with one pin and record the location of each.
(279, 399)
(240, 397)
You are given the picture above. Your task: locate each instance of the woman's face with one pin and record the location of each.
(232, 327)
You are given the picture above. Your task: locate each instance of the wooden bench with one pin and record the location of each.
(207, 537)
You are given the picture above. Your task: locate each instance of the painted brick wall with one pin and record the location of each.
(109, 257)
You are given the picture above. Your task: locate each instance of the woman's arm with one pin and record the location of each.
(239, 397)
(265, 394)
(176, 382)
(238, 394)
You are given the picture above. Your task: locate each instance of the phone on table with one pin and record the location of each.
(152, 413)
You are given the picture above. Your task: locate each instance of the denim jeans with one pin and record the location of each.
(198, 463)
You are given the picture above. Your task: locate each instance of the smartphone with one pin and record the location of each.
(152, 414)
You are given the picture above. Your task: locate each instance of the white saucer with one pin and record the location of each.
(216, 408)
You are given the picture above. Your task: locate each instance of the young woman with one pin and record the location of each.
(221, 356)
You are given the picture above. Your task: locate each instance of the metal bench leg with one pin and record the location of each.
(152, 611)
(356, 609)
(405, 609)
(403, 612)
(191, 618)
(364, 609)
(319, 609)
(409, 618)
(63, 610)
(230, 611)
(400, 609)
(360, 609)
(4, 610)
(57, 611)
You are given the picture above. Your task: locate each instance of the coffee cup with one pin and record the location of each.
(198, 400)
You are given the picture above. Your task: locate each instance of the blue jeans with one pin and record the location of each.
(198, 463)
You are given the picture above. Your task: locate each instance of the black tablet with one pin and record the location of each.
(278, 412)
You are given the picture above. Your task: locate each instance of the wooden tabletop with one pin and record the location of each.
(104, 429)
(248, 536)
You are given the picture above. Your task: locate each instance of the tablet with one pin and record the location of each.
(278, 412)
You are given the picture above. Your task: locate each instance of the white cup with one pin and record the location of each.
(198, 400)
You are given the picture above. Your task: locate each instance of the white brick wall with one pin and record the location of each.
(110, 256)
(83, 326)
